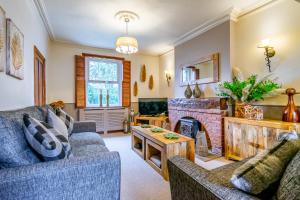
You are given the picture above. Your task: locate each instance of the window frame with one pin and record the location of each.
(119, 81)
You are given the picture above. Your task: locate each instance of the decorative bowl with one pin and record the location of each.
(171, 136)
(146, 126)
(156, 130)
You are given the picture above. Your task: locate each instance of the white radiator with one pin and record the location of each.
(107, 119)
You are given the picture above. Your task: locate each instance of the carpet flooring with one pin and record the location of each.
(138, 180)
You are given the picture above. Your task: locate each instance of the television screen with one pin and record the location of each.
(153, 106)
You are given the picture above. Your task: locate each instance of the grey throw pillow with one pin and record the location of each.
(48, 143)
(57, 123)
(266, 168)
(66, 118)
(14, 149)
(289, 187)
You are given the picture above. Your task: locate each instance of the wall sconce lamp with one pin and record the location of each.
(269, 51)
(168, 77)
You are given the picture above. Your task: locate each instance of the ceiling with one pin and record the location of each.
(162, 22)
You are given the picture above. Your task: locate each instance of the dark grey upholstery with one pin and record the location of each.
(92, 173)
(86, 126)
(15, 151)
(91, 177)
(189, 181)
(289, 187)
(79, 139)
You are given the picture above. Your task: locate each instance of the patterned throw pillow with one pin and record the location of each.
(265, 169)
(289, 187)
(67, 119)
(55, 122)
(48, 143)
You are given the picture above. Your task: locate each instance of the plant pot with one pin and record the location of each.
(239, 109)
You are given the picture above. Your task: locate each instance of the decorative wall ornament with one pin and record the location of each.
(2, 40)
(151, 82)
(196, 91)
(135, 89)
(15, 51)
(188, 92)
(168, 77)
(143, 73)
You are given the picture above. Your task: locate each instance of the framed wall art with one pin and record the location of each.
(15, 51)
(2, 40)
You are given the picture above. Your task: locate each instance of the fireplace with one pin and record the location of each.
(189, 127)
(192, 128)
(204, 115)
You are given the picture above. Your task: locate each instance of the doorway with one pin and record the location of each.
(39, 78)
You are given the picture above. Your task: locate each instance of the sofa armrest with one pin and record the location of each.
(84, 126)
(95, 177)
(192, 182)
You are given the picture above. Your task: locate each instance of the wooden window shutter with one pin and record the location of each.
(126, 89)
(80, 82)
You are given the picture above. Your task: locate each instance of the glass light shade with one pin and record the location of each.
(264, 43)
(126, 45)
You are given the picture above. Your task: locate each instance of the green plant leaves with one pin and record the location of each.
(248, 90)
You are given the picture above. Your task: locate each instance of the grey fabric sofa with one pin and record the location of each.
(189, 181)
(92, 173)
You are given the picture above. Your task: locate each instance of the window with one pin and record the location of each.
(103, 75)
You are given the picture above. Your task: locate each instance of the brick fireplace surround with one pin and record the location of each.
(209, 112)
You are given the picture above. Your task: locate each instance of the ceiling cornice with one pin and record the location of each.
(254, 7)
(205, 27)
(40, 6)
(231, 14)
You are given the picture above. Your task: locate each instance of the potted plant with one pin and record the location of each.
(245, 91)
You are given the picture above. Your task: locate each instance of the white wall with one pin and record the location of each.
(16, 93)
(279, 21)
(167, 63)
(61, 85)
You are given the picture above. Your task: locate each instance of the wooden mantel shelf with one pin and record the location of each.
(265, 123)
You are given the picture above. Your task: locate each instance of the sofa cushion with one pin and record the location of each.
(266, 168)
(66, 118)
(89, 150)
(289, 187)
(47, 142)
(14, 150)
(37, 112)
(57, 123)
(85, 138)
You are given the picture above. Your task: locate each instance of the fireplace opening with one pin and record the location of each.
(192, 128)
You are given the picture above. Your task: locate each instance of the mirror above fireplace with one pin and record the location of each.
(202, 71)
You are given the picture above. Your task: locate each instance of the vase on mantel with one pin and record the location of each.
(291, 113)
(196, 91)
(188, 92)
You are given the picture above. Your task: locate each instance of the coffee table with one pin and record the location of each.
(155, 149)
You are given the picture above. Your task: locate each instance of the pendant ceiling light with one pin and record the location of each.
(126, 44)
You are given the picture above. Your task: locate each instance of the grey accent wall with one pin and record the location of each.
(216, 40)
